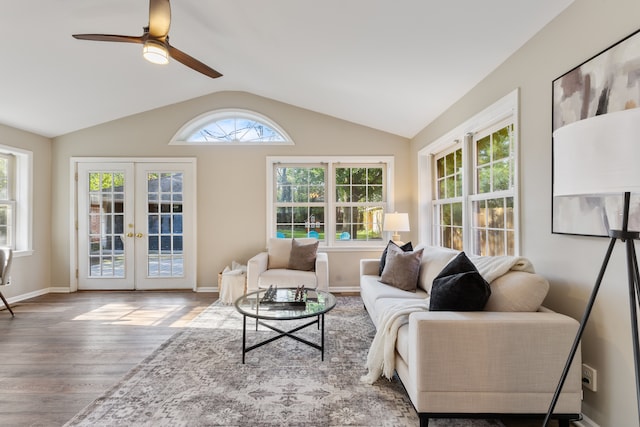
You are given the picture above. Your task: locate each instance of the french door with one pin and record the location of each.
(136, 225)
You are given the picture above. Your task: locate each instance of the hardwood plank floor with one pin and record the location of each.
(62, 351)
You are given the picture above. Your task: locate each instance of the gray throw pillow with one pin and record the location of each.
(303, 257)
(383, 259)
(402, 268)
(459, 287)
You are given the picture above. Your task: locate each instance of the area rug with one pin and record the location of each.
(197, 378)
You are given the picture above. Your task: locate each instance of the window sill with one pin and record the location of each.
(22, 252)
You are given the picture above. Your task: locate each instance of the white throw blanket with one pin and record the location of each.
(381, 357)
(492, 267)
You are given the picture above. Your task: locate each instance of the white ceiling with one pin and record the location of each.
(393, 65)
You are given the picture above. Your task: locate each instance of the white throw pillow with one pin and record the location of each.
(517, 291)
(279, 253)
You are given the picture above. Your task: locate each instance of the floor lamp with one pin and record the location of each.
(599, 156)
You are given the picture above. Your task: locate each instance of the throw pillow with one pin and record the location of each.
(402, 268)
(303, 257)
(383, 259)
(279, 253)
(459, 287)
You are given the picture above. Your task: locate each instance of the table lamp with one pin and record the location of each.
(599, 156)
(396, 222)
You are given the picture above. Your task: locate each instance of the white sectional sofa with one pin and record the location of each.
(506, 359)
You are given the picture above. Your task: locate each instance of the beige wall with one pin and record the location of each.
(231, 180)
(571, 263)
(31, 274)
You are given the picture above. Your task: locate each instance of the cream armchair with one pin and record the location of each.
(271, 267)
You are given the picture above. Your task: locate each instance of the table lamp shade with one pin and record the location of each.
(598, 155)
(396, 222)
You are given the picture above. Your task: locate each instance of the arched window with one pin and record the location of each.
(231, 127)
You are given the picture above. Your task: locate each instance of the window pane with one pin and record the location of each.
(501, 175)
(501, 144)
(375, 193)
(484, 180)
(450, 187)
(450, 164)
(359, 194)
(359, 176)
(483, 150)
(495, 213)
(457, 214)
(4, 178)
(342, 176)
(375, 176)
(440, 167)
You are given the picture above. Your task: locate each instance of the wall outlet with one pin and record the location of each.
(589, 377)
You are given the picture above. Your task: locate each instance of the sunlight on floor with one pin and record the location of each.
(135, 315)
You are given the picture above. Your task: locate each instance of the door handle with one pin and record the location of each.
(139, 235)
(129, 234)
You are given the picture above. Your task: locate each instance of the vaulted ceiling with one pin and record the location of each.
(390, 65)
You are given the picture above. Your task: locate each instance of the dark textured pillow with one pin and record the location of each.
(383, 259)
(303, 257)
(402, 269)
(459, 287)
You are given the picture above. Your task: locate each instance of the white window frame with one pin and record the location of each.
(501, 110)
(330, 241)
(21, 199)
(182, 136)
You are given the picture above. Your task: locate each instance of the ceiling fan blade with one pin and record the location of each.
(109, 38)
(159, 18)
(193, 63)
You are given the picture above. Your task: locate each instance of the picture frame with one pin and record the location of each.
(607, 82)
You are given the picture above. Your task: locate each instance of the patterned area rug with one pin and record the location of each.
(197, 378)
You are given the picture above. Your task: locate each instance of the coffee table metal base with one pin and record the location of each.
(318, 321)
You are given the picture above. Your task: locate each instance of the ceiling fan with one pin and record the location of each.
(156, 40)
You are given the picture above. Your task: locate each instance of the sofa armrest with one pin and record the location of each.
(370, 267)
(492, 352)
(322, 271)
(255, 267)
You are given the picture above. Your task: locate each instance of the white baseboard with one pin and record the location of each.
(28, 295)
(585, 422)
(206, 289)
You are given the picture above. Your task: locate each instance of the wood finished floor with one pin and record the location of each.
(62, 351)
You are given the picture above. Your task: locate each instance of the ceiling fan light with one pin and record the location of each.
(155, 52)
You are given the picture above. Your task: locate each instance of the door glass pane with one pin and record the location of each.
(106, 231)
(165, 231)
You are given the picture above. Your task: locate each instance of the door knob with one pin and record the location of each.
(138, 235)
(129, 234)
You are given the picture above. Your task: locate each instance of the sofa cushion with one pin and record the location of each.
(371, 290)
(285, 278)
(401, 269)
(303, 256)
(459, 287)
(406, 247)
(433, 261)
(517, 291)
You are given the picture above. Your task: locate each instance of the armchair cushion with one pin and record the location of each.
(303, 257)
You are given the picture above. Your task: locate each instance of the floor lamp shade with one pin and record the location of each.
(598, 155)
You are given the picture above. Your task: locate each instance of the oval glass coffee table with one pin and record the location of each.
(283, 306)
